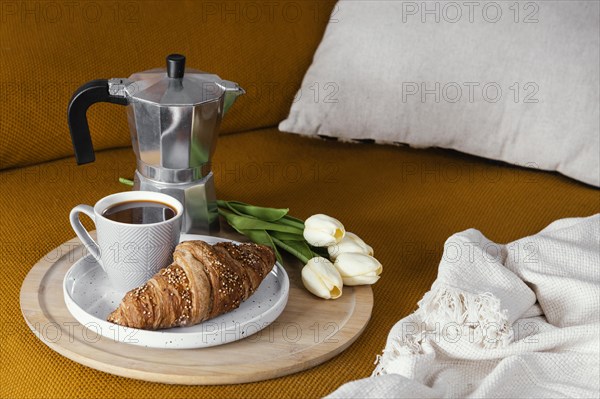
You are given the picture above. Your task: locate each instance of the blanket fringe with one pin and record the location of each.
(477, 318)
(483, 321)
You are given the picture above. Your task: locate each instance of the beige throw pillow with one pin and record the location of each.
(511, 81)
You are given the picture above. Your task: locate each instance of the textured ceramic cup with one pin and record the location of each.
(129, 253)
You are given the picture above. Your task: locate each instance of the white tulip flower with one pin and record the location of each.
(351, 243)
(322, 230)
(358, 269)
(322, 279)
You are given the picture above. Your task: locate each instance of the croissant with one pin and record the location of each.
(203, 282)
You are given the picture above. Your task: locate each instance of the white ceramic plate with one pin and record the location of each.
(90, 299)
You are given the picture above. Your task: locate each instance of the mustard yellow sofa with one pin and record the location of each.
(403, 201)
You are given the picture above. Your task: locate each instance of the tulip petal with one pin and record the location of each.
(360, 280)
(332, 227)
(329, 274)
(351, 243)
(318, 238)
(368, 250)
(322, 279)
(314, 284)
(355, 264)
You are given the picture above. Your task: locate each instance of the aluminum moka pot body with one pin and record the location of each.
(174, 116)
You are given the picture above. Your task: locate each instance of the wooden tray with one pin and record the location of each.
(310, 331)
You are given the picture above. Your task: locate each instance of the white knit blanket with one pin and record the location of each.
(517, 320)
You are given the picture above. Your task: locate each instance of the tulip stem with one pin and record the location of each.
(291, 250)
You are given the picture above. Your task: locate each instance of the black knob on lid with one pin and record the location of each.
(175, 66)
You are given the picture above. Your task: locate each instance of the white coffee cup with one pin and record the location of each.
(130, 254)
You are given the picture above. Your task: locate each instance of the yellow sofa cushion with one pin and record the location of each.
(402, 201)
(49, 49)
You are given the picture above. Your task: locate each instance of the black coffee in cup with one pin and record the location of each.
(139, 212)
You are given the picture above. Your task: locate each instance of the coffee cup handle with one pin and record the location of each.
(81, 232)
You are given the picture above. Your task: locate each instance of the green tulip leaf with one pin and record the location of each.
(302, 248)
(259, 212)
(268, 226)
(248, 223)
(298, 249)
(231, 208)
(225, 204)
(287, 236)
(277, 254)
(292, 222)
(257, 236)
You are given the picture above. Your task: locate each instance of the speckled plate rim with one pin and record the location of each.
(192, 337)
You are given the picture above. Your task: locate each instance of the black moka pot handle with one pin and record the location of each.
(90, 93)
